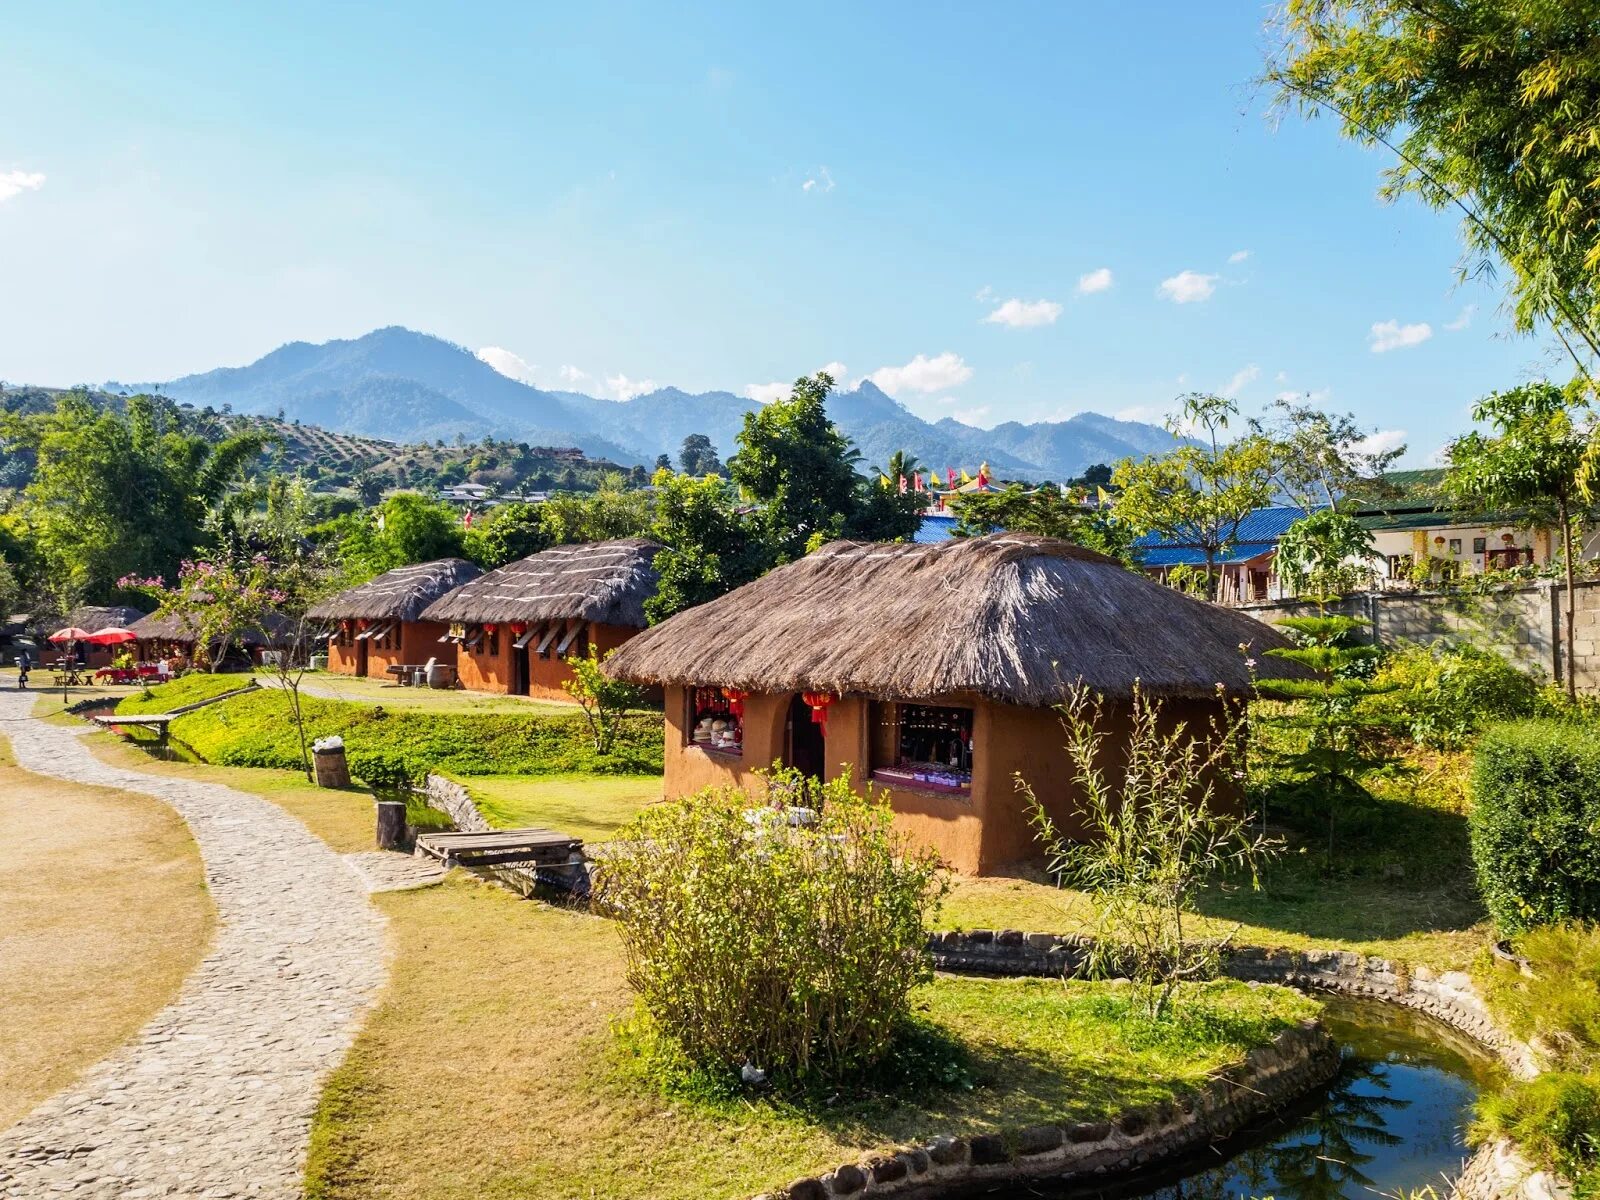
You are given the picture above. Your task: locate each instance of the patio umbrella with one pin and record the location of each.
(70, 634)
(112, 635)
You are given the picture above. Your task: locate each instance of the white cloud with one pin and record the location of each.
(571, 375)
(924, 374)
(1391, 335)
(14, 183)
(1462, 321)
(839, 373)
(1151, 414)
(973, 416)
(766, 393)
(1240, 378)
(1382, 441)
(984, 294)
(1024, 314)
(624, 388)
(1188, 287)
(508, 363)
(1281, 377)
(1097, 280)
(821, 181)
(1238, 256)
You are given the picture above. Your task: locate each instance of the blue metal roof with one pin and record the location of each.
(935, 527)
(1258, 534)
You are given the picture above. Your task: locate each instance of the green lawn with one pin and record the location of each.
(334, 686)
(588, 806)
(178, 693)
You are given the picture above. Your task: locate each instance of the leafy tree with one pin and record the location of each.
(1320, 458)
(604, 700)
(216, 601)
(1492, 108)
(901, 465)
(1315, 554)
(506, 533)
(712, 544)
(663, 462)
(406, 528)
(698, 456)
(1530, 465)
(885, 514)
(115, 493)
(1047, 512)
(369, 488)
(613, 510)
(1201, 492)
(1096, 476)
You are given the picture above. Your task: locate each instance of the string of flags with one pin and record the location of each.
(933, 483)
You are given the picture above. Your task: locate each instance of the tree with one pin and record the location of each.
(1320, 458)
(369, 488)
(1096, 476)
(797, 466)
(603, 700)
(698, 456)
(506, 533)
(1047, 512)
(1201, 492)
(215, 601)
(1529, 465)
(663, 462)
(712, 544)
(1324, 554)
(1154, 837)
(901, 465)
(406, 528)
(1492, 108)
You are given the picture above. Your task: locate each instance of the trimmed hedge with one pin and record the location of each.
(254, 730)
(1536, 823)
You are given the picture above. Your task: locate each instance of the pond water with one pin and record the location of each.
(1394, 1120)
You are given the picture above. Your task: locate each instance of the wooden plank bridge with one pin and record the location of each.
(503, 847)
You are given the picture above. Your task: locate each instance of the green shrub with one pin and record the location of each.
(1536, 824)
(753, 941)
(1443, 697)
(382, 770)
(253, 730)
(1558, 1005)
(1554, 1119)
(191, 689)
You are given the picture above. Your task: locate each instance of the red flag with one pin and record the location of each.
(916, 480)
(950, 478)
(983, 476)
(902, 480)
(466, 519)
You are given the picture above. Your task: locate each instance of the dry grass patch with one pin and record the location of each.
(103, 913)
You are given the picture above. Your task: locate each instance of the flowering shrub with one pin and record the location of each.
(215, 601)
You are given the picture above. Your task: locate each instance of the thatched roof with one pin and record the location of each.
(1012, 617)
(397, 595)
(274, 630)
(605, 583)
(93, 617)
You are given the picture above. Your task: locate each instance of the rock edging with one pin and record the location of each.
(1298, 1059)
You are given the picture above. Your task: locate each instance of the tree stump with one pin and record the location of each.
(391, 824)
(331, 768)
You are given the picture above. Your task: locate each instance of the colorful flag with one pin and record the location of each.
(902, 479)
(965, 478)
(950, 478)
(883, 481)
(983, 475)
(916, 480)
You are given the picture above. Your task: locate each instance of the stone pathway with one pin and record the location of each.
(389, 871)
(214, 1097)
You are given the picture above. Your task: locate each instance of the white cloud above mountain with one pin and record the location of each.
(1024, 314)
(1097, 280)
(509, 363)
(765, 393)
(623, 388)
(14, 183)
(572, 376)
(1188, 287)
(1391, 335)
(923, 374)
(1240, 379)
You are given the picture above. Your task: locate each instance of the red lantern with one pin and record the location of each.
(489, 629)
(735, 699)
(518, 628)
(1438, 541)
(819, 702)
(361, 624)
(1508, 538)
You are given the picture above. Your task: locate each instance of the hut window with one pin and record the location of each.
(716, 720)
(491, 645)
(923, 746)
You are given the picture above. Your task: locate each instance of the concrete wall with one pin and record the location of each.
(1524, 624)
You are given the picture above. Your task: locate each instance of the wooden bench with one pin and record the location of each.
(503, 847)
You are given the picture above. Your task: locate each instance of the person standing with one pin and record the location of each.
(24, 661)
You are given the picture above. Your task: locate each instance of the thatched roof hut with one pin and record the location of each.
(397, 595)
(1011, 617)
(274, 630)
(93, 617)
(604, 583)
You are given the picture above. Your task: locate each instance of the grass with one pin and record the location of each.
(191, 689)
(487, 1069)
(1402, 886)
(104, 911)
(358, 690)
(588, 806)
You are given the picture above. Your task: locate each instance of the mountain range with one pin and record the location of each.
(405, 386)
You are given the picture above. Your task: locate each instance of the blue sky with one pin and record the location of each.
(997, 213)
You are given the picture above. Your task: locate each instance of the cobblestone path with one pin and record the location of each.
(214, 1097)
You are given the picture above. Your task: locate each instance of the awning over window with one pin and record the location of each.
(376, 631)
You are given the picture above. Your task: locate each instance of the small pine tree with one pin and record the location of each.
(1333, 734)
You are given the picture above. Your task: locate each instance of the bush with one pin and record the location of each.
(382, 770)
(253, 730)
(1443, 697)
(749, 940)
(1536, 824)
(1558, 1005)
(191, 689)
(1554, 1119)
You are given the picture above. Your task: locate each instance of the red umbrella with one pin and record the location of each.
(112, 635)
(70, 634)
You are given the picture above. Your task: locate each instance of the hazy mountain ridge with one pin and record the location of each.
(405, 386)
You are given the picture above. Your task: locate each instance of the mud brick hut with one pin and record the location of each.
(933, 671)
(164, 637)
(93, 617)
(519, 625)
(380, 624)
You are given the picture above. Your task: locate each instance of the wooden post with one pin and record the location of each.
(391, 824)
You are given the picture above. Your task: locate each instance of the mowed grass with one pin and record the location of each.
(1401, 885)
(489, 1069)
(103, 912)
(592, 807)
(332, 685)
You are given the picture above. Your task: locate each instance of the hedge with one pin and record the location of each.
(254, 730)
(1536, 823)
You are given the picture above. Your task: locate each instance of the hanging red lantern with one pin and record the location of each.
(819, 702)
(1438, 541)
(518, 628)
(1508, 538)
(362, 623)
(735, 699)
(489, 629)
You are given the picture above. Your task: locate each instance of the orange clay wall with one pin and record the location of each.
(342, 656)
(418, 642)
(689, 768)
(483, 672)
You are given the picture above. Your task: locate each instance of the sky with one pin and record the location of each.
(996, 213)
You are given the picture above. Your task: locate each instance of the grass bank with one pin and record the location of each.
(592, 807)
(104, 912)
(356, 689)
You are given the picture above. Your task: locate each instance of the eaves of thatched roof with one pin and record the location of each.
(397, 595)
(1012, 617)
(275, 630)
(605, 583)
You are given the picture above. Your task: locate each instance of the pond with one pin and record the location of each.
(1393, 1121)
